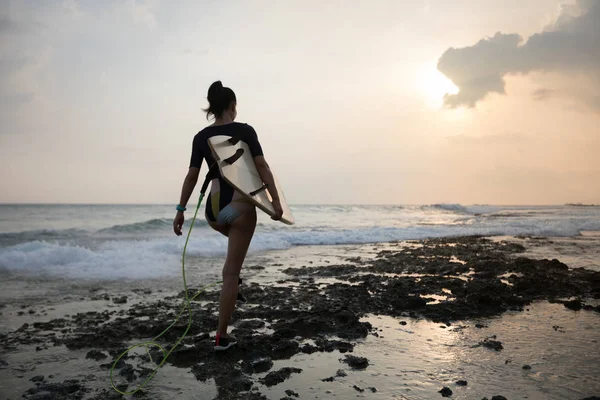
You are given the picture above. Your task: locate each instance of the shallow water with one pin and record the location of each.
(582, 251)
(416, 360)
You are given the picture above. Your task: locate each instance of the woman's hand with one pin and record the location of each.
(178, 223)
(278, 210)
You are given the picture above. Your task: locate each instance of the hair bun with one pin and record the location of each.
(215, 91)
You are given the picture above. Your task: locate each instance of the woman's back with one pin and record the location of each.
(201, 150)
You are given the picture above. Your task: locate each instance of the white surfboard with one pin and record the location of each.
(243, 176)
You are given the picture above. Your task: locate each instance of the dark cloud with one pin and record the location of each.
(7, 25)
(10, 26)
(571, 44)
(8, 100)
(542, 94)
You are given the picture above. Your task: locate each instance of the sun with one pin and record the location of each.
(433, 85)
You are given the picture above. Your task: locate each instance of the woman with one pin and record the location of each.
(227, 211)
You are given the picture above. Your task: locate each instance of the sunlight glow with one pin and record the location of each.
(433, 85)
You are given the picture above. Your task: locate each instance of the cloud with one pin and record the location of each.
(570, 45)
(142, 12)
(542, 94)
(7, 25)
(10, 26)
(21, 82)
(72, 8)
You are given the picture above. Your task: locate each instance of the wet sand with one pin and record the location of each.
(396, 320)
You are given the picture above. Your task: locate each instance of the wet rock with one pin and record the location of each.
(526, 367)
(182, 357)
(323, 320)
(574, 305)
(43, 395)
(250, 325)
(95, 355)
(309, 349)
(142, 291)
(23, 327)
(128, 372)
(120, 300)
(461, 383)
(402, 322)
(291, 393)
(103, 296)
(51, 325)
(356, 362)
(250, 396)
(201, 337)
(492, 344)
(69, 389)
(284, 348)
(498, 398)
(330, 379)
(331, 345)
(285, 332)
(358, 389)
(372, 389)
(445, 392)
(233, 382)
(276, 377)
(257, 366)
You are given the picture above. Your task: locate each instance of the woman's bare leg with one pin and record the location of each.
(240, 234)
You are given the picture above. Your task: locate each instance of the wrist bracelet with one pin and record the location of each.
(180, 208)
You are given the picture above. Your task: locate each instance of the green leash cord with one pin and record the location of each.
(187, 306)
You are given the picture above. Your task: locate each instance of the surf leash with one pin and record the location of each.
(186, 306)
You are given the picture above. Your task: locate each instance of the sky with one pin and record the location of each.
(362, 102)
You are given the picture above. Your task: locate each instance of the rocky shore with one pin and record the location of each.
(318, 308)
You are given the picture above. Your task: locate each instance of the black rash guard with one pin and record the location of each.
(221, 193)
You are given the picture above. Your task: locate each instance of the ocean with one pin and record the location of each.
(109, 242)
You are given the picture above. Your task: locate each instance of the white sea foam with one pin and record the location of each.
(115, 253)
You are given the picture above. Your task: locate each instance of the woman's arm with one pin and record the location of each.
(189, 183)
